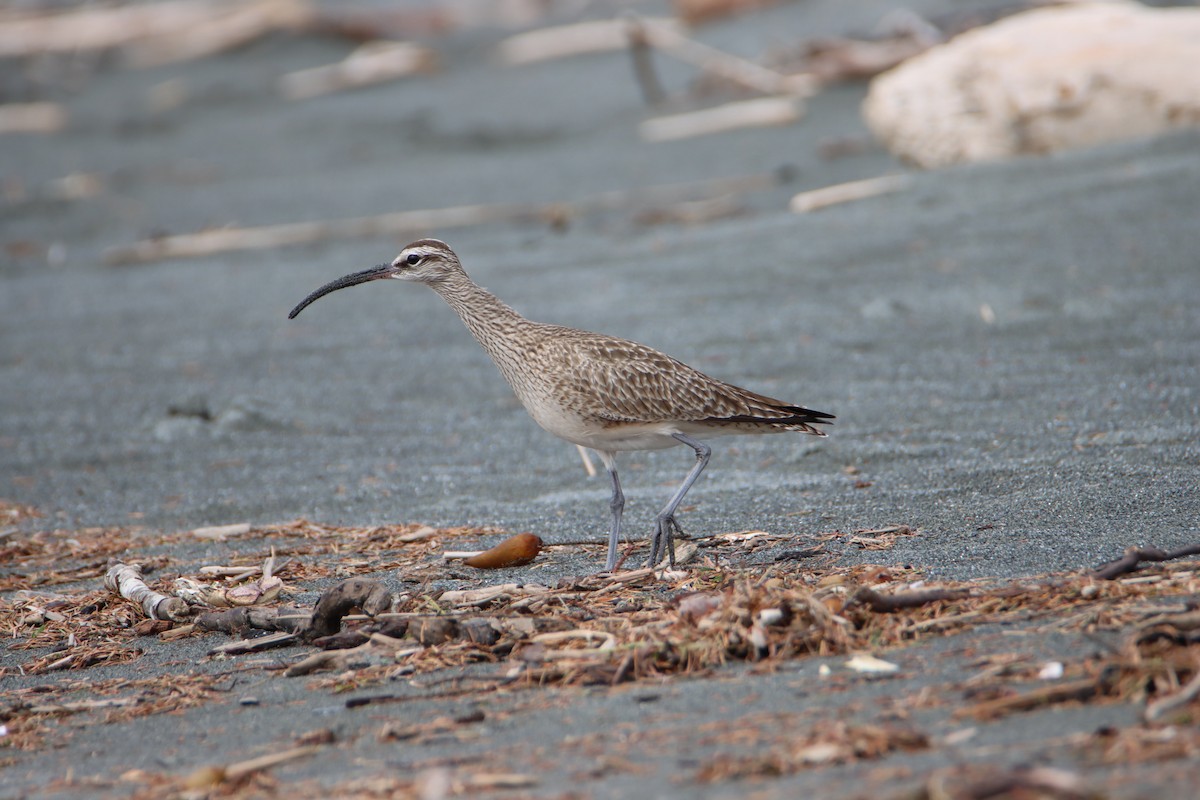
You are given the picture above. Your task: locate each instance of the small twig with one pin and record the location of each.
(373, 62)
(724, 65)
(758, 113)
(846, 192)
(243, 768)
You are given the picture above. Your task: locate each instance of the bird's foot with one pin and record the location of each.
(663, 542)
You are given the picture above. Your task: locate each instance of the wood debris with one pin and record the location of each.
(816, 199)
(758, 113)
(561, 41)
(126, 580)
(372, 63)
(32, 118)
(636, 625)
(152, 33)
(403, 223)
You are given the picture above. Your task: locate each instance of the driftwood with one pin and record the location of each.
(1134, 556)
(400, 223)
(725, 66)
(885, 603)
(1049, 783)
(372, 63)
(126, 580)
(153, 32)
(222, 532)
(1081, 689)
(371, 596)
(826, 196)
(758, 113)
(664, 35)
(227, 27)
(32, 118)
(561, 41)
(378, 647)
(240, 620)
(1163, 706)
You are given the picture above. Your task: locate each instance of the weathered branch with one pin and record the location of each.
(885, 603)
(1133, 557)
(371, 596)
(126, 580)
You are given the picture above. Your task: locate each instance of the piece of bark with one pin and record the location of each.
(126, 580)
(370, 596)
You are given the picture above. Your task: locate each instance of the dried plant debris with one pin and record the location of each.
(453, 632)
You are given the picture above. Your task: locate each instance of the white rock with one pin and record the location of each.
(1042, 81)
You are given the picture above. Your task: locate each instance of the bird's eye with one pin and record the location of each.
(413, 259)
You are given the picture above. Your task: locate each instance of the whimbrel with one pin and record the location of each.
(601, 392)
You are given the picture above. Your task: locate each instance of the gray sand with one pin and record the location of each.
(1011, 350)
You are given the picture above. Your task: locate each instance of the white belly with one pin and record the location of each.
(599, 436)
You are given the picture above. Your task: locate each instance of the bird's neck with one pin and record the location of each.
(493, 323)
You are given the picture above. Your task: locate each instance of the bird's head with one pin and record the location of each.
(428, 261)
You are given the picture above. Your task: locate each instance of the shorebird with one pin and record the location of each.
(601, 392)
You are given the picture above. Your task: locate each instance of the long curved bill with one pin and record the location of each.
(373, 274)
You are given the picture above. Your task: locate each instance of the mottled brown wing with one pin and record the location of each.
(622, 381)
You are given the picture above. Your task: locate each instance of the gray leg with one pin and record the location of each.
(617, 504)
(664, 534)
